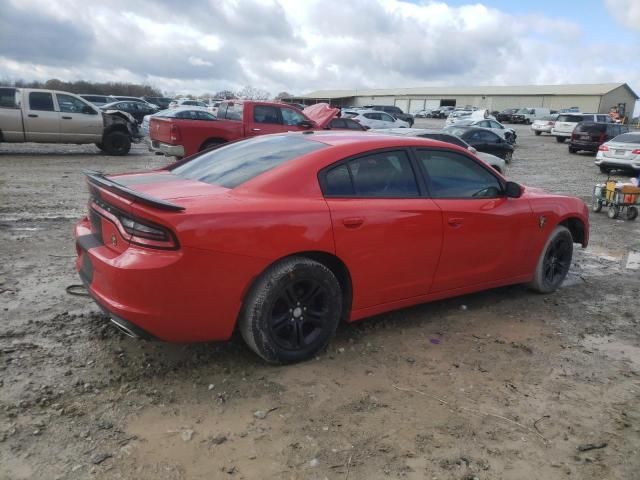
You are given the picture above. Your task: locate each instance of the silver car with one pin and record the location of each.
(621, 152)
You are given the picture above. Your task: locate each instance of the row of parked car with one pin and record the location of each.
(615, 147)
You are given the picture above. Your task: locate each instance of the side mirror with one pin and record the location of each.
(472, 149)
(513, 190)
(306, 124)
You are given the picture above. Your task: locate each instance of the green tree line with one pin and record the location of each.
(83, 86)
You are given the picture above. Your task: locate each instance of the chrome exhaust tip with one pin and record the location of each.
(124, 328)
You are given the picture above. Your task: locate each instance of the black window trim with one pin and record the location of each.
(427, 178)
(420, 183)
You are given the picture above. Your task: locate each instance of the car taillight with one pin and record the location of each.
(175, 133)
(573, 136)
(603, 148)
(602, 137)
(636, 151)
(135, 230)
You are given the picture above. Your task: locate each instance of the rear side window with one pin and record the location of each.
(234, 111)
(265, 114)
(69, 104)
(384, 174)
(570, 118)
(353, 125)
(590, 128)
(452, 175)
(42, 101)
(337, 123)
(234, 164)
(8, 98)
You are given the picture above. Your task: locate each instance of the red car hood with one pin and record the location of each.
(164, 185)
(321, 113)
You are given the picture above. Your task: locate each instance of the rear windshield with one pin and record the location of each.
(591, 127)
(234, 164)
(627, 138)
(8, 97)
(570, 118)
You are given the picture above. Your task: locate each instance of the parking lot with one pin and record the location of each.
(504, 384)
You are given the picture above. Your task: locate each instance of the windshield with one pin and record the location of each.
(234, 164)
(627, 138)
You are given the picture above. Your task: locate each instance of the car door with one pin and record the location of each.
(387, 120)
(491, 143)
(79, 121)
(41, 120)
(372, 120)
(387, 234)
(266, 119)
(486, 234)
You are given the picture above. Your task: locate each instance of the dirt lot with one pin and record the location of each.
(505, 384)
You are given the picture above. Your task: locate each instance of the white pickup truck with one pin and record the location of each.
(49, 116)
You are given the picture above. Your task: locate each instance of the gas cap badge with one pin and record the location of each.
(114, 240)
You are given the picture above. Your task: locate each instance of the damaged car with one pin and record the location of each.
(50, 116)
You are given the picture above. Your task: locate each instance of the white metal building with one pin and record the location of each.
(589, 98)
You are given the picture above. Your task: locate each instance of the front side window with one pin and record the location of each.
(291, 117)
(452, 175)
(372, 116)
(265, 114)
(231, 111)
(495, 125)
(384, 174)
(69, 104)
(352, 125)
(231, 165)
(387, 118)
(42, 101)
(337, 123)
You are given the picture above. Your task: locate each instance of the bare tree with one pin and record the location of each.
(251, 93)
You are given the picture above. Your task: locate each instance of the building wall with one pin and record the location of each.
(586, 103)
(614, 97)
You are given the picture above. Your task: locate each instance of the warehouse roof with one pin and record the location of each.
(581, 89)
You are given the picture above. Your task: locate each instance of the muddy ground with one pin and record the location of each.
(505, 384)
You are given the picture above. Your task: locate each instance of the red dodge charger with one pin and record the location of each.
(283, 236)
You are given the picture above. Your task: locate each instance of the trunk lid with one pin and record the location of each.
(164, 185)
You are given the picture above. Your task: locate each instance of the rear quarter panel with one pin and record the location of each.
(194, 133)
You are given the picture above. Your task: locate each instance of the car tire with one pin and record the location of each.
(537, 133)
(116, 143)
(597, 205)
(272, 319)
(632, 213)
(100, 146)
(554, 262)
(508, 156)
(613, 212)
(573, 150)
(560, 139)
(604, 169)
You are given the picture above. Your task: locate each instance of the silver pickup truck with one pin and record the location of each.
(49, 116)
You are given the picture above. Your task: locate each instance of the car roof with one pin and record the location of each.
(366, 139)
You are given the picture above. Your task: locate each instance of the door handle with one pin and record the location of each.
(32, 115)
(352, 222)
(67, 118)
(455, 222)
(255, 129)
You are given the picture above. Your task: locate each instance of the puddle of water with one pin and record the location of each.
(614, 349)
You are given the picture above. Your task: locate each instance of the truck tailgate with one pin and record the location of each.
(160, 129)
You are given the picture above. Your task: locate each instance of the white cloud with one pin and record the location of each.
(627, 12)
(299, 46)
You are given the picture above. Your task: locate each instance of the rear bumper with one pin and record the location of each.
(582, 145)
(185, 295)
(617, 162)
(541, 128)
(560, 134)
(170, 150)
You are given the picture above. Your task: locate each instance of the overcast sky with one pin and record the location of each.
(201, 46)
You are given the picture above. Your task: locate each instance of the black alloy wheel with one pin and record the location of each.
(557, 260)
(292, 310)
(299, 314)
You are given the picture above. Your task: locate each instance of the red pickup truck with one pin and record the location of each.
(236, 119)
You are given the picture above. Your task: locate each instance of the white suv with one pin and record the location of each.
(566, 122)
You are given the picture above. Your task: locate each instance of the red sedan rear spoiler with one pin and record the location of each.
(98, 179)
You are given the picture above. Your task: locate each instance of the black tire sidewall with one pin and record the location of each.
(258, 306)
(539, 283)
(110, 148)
